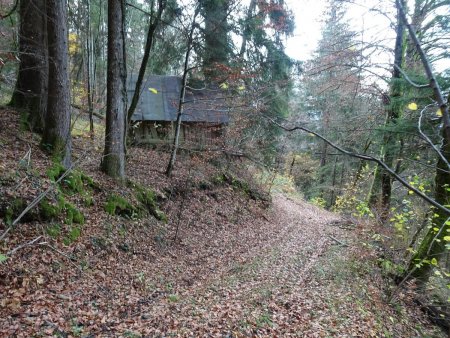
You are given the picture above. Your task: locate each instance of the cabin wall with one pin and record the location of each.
(153, 132)
(192, 134)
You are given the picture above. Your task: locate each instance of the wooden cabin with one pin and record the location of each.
(205, 112)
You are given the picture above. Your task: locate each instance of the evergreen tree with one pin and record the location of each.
(217, 45)
(31, 88)
(113, 163)
(262, 52)
(56, 137)
(333, 91)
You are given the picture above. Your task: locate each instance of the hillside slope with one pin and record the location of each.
(226, 263)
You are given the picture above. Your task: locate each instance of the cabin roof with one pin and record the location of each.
(159, 101)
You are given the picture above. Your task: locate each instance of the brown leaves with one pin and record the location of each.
(236, 269)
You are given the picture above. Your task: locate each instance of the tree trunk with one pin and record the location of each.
(389, 149)
(324, 155)
(247, 28)
(31, 88)
(176, 138)
(433, 244)
(359, 171)
(56, 138)
(217, 48)
(333, 183)
(89, 68)
(291, 167)
(153, 25)
(113, 163)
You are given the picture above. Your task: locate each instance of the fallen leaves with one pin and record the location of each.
(236, 269)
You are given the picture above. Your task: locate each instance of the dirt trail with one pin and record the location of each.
(285, 277)
(299, 283)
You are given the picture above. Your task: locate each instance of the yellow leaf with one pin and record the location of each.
(153, 90)
(241, 88)
(410, 192)
(73, 44)
(412, 106)
(223, 85)
(447, 238)
(439, 113)
(434, 262)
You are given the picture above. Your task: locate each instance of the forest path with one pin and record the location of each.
(234, 270)
(278, 275)
(301, 283)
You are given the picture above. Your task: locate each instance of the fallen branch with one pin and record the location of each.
(338, 241)
(30, 243)
(96, 114)
(40, 197)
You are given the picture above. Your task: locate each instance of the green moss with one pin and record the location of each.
(54, 145)
(23, 121)
(161, 216)
(89, 181)
(147, 198)
(73, 235)
(53, 230)
(219, 179)
(240, 185)
(76, 182)
(73, 215)
(88, 200)
(117, 205)
(73, 183)
(14, 209)
(55, 171)
(232, 181)
(49, 210)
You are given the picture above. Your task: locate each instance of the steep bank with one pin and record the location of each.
(226, 263)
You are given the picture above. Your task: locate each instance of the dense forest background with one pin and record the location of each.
(361, 128)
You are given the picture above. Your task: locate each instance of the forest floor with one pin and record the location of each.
(226, 264)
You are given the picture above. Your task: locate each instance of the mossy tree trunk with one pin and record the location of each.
(31, 88)
(113, 163)
(56, 137)
(433, 244)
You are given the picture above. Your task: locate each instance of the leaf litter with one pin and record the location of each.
(236, 268)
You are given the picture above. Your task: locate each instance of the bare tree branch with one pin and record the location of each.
(426, 64)
(13, 9)
(366, 158)
(13, 251)
(428, 139)
(411, 82)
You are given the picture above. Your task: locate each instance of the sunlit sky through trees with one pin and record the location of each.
(374, 20)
